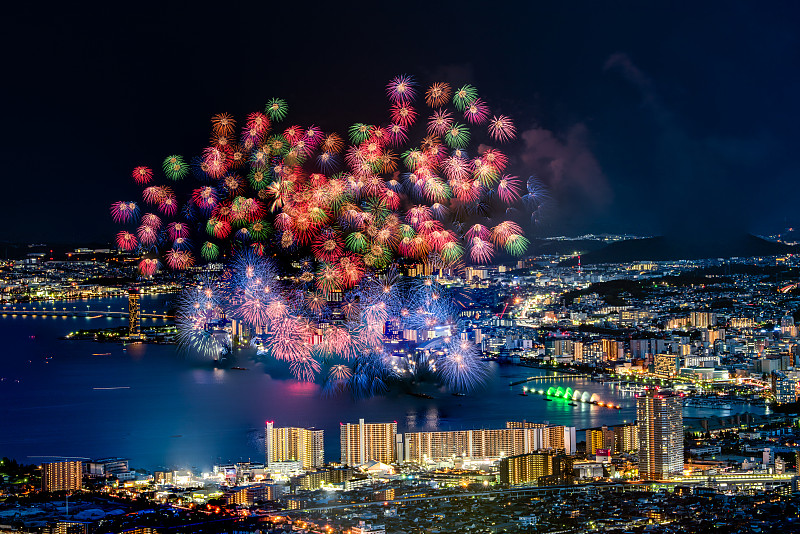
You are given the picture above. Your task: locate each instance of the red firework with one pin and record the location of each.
(142, 175)
(403, 114)
(126, 241)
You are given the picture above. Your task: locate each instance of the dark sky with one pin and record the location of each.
(641, 117)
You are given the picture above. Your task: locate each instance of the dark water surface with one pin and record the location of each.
(167, 410)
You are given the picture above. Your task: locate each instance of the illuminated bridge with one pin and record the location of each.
(75, 311)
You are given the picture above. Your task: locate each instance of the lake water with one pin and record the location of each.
(164, 410)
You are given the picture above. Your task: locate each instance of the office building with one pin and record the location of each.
(62, 476)
(292, 444)
(540, 468)
(362, 442)
(134, 319)
(108, 467)
(666, 365)
(660, 419)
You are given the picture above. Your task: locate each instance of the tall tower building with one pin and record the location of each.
(363, 442)
(293, 444)
(660, 417)
(134, 320)
(62, 476)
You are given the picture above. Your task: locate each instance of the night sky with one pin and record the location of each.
(641, 117)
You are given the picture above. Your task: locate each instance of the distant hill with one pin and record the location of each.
(663, 248)
(565, 247)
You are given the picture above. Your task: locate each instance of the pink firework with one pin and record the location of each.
(168, 206)
(476, 112)
(177, 229)
(313, 137)
(142, 175)
(152, 220)
(429, 226)
(501, 128)
(456, 168)
(397, 134)
(495, 158)
(126, 241)
(215, 161)
(465, 191)
(401, 89)
(478, 230)
(480, 251)
(440, 122)
(288, 339)
(380, 135)
(149, 266)
(403, 114)
(418, 214)
(124, 211)
(254, 310)
(147, 235)
(508, 189)
(153, 194)
(179, 260)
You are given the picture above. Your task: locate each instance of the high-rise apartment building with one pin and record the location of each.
(660, 418)
(626, 438)
(519, 437)
(292, 444)
(134, 316)
(62, 476)
(703, 319)
(362, 442)
(541, 468)
(599, 438)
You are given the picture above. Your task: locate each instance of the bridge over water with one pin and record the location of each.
(21, 310)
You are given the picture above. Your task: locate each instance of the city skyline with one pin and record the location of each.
(400, 268)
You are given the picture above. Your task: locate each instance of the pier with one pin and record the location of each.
(564, 376)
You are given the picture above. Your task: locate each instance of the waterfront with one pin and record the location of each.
(161, 409)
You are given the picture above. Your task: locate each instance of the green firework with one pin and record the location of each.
(175, 167)
(209, 251)
(516, 245)
(359, 132)
(465, 96)
(357, 242)
(259, 230)
(277, 108)
(457, 136)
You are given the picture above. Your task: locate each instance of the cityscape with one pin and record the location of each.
(407, 269)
